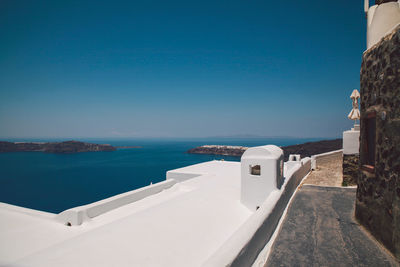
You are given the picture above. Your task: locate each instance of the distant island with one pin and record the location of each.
(305, 150)
(235, 151)
(54, 147)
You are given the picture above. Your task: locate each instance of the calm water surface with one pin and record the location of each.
(56, 182)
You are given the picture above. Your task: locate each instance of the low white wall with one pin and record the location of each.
(78, 215)
(315, 158)
(180, 176)
(243, 247)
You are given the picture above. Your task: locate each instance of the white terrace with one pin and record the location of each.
(194, 218)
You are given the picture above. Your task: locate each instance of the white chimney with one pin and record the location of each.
(261, 173)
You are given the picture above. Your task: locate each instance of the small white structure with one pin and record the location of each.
(381, 20)
(293, 160)
(351, 141)
(261, 173)
(294, 157)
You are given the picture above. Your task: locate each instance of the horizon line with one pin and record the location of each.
(172, 137)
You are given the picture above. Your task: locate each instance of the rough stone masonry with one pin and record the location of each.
(378, 192)
(350, 169)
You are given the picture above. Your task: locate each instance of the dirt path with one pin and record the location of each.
(328, 173)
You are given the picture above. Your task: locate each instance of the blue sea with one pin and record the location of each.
(56, 182)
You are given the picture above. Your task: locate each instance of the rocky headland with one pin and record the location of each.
(305, 150)
(235, 151)
(54, 147)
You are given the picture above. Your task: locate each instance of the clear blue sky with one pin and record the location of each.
(178, 68)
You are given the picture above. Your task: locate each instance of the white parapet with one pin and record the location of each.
(351, 143)
(78, 215)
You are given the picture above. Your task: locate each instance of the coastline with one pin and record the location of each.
(54, 147)
(304, 150)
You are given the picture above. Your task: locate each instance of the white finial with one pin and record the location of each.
(355, 112)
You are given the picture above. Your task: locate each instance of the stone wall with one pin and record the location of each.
(378, 2)
(350, 169)
(378, 192)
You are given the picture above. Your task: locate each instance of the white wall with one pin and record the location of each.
(382, 19)
(351, 143)
(78, 215)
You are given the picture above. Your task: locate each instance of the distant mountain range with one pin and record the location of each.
(252, 136)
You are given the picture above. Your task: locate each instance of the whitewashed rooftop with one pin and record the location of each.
(180, 226)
